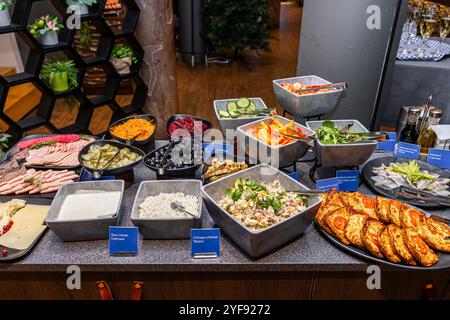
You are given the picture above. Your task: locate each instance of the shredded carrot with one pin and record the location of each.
(136, 129)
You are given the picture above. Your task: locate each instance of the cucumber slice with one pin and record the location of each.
(234, 114)
(232, 107)
(224, 114)
(251, 107)
(243, 103)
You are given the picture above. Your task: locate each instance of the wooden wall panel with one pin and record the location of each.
(195, 286)
(394, 285)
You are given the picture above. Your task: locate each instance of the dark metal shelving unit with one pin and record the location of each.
(43, 111)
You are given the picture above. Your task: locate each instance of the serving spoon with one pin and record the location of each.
(180, 208)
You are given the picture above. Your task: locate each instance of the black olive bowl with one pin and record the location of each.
(111, 172)
(173, 172)
(181, 116)
(147, 117)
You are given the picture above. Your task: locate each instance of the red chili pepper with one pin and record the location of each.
(6, 228)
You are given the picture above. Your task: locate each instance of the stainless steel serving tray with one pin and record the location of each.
(84, 229)
(233, 124)
(286, 153)
(169, 227)
(343, 155)
(309, 105)
(259, 243)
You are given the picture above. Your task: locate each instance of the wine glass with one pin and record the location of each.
(428, 25)
(444, 28)
(412, 22)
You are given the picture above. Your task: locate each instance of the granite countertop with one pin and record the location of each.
(310, 252)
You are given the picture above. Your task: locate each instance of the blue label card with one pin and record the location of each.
(327, 184)
(348, 180)
(294, 175)
(388, 145)
(216, 148)
(205, 243)
(87, 176)
(408, 150)
(123, 240)
(439, 157)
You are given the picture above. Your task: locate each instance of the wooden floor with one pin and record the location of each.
(199, 87)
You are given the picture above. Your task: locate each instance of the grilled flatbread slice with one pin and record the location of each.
(387, 246)
(363, 204)
(434, 233)
(370, 237)
(331, 202)
(322, 213)
(337, 222)
(410, 217)
(383, 208)
(353, 231)
(419, 249)
(394, 212)
(400, 247)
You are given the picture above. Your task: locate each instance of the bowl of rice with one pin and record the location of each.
(152, 212)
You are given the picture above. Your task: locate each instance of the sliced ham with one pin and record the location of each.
(44, 181)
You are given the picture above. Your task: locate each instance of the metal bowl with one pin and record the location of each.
(308, 105)
(283, 154)
(233, 124)
(181, 116)
(84, 229)
(343, 155)
(185, 171)
(111, 172)
(168, 227)
(259, 243)
(147, 117)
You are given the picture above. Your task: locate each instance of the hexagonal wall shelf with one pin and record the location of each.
(83, 116)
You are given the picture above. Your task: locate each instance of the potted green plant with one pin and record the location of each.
(122, 58)
(81, 5)
(46, 30)
(4, 139)
(5, 18)
(60, 75)
(236, 25)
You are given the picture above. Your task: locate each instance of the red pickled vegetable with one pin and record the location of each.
(186, 123)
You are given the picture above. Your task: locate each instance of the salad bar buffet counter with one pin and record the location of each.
(304, 268)
(316, 211)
